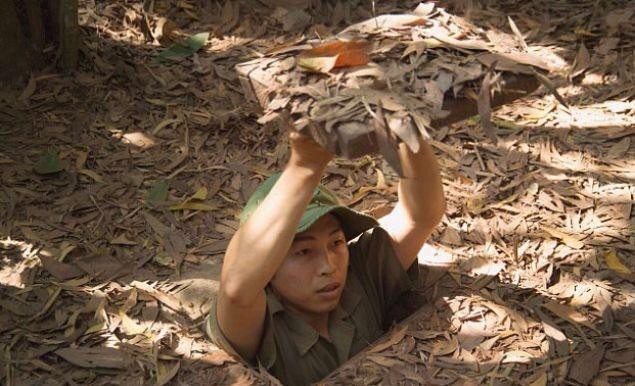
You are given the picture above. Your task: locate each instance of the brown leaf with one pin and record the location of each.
(128, 325)
(94, 357)
(166, 371)
(424, 9)
(484, 105)
(541, 380)
(444, 347)
(217, 358)
(383, 22)
(619, 149)
(550, 86)
(383, 361)
(569, 240)
(387, 143)
(552, 331)
(122, 240)
(569, 314)
(516, 32)
(586, 365)
(101, 265)
(405, 130)
(582, 61)
(173, 241)
(518, 356)
(62, 271)
(165, 298)
(468, 44)
(472, 334)
(396, 337)
(28, 90)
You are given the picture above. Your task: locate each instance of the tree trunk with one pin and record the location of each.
(68, 34)
(27, 27)
(14, 63)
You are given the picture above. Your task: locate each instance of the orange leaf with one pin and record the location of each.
(327, 56)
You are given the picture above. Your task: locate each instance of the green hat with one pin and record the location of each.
(323, 202)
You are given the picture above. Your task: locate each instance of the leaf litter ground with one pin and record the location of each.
(121, 186)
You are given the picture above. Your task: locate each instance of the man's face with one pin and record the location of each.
(312, 276)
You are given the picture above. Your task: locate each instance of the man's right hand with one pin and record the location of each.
(305, 152)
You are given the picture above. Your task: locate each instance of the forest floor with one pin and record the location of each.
(120, 187)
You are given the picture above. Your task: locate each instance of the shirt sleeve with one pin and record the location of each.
(212, 329)
(267, 351)
(375, 261)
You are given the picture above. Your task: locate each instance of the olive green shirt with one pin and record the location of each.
(297, 354)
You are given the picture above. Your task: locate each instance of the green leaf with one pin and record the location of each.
(187, 47)
(192, 204)
(162, 258)
(48, 163)
(158, 192)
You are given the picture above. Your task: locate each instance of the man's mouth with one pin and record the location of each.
(329, 288)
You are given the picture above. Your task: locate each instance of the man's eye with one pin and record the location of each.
(303, 252)
(338, 242)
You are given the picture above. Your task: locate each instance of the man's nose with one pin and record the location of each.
(327, 262)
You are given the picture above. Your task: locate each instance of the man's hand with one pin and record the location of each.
(305, 152)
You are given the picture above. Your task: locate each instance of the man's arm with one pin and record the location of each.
(260, 245)
(420, 205)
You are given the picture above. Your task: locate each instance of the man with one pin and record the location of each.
(307, 283)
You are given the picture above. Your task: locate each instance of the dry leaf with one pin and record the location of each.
(582, 61)
(553, 332)
(397, 335)
(62, 271)
(484, 105)
(541, 380)
(129, 326)
(28, 90)
(569, 314)
(192, 204)
(318, 63)
(569, 240)
(613, 262)
(384, 361)
(516, 32)
(444, 347)
(404, 128)
(619, 149)
(143, 140)
(424, 9)
(217, 358)
(336, 54)
(517, 356)
(122, 240)
(94, 357)
(166, 371)
(586, 365)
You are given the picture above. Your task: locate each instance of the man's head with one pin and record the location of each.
(313, 273)
(311, 278)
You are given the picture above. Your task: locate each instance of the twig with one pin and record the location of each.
(372, 2)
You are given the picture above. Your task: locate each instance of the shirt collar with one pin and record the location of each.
(305, 337)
